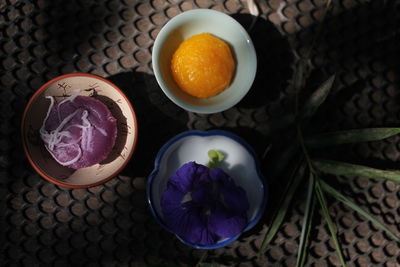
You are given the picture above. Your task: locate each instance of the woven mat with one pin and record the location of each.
(110, 225)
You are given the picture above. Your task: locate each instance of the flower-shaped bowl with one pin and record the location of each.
(223, 26)
(87, 85)
(240, 162)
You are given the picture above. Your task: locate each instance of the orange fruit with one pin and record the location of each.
(203, 65)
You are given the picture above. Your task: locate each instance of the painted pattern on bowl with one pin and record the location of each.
(86, 85)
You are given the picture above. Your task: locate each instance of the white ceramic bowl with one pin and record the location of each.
(106, 92)
(240, 162)
(222, 26)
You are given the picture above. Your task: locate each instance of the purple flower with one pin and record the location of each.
(203, 206)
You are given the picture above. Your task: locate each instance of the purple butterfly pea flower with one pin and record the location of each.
(203, 206)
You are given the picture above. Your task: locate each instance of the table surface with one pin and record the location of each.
(110, 224)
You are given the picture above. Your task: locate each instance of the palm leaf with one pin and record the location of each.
(300, 73)
(329, 189)
(280, 212)
(342, 168)
(350, 136)
(317, 98)
(307, 222)
(328, 219)
(202, 258)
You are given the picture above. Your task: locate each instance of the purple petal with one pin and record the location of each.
(202, 190)
(182, 218)
(171, 200)
(187, 220)
(188, 223)
(223, 224)
(202, 196)
(186, 175)
(175, 219)
(233, 197)
(216, 209)
(207, 237)
(195, 226)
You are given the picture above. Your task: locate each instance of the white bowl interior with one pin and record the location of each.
(119, 107)
(238, 163)
(222, 26)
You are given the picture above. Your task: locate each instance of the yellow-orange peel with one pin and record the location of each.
(203, 65)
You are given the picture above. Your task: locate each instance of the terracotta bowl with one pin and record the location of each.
(101, 89)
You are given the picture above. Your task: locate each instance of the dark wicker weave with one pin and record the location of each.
(110, 225)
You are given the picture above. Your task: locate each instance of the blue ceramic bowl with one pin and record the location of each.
(240, 162)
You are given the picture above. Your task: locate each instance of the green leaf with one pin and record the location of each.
(281, 210)
(307, 223)
(204, 255)
(317, 98)
(350, 136)
(330, 190)
(328, 219)
(266, 151)
(347, 169)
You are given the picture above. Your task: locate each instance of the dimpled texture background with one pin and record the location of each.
(110, 225)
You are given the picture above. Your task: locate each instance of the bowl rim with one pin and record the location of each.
(23, 130)
(203, 134)
(165, 30)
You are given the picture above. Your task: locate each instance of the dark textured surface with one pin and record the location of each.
(110, 225)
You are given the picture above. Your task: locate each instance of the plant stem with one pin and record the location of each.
(280, 213)
(325, 212)
(304, 149)
(307, 221)
(202, 258)
(321, 198)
